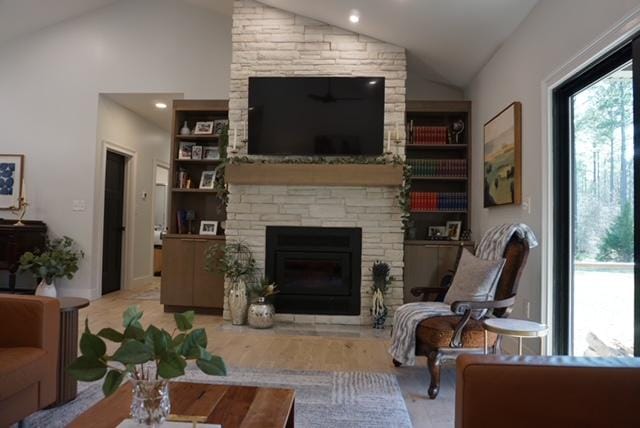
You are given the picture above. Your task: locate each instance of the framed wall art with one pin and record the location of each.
(11, 174)
(502, 157)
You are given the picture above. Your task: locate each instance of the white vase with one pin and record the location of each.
(46, 290)
(238, 303)
(185, 129)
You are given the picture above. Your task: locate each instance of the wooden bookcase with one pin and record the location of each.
(444, 168)
(185, 283)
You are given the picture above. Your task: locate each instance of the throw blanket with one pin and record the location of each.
(408, 316)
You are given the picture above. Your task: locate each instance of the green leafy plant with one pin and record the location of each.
(169, 352)
(232, 259)
(263, 288)
(59, 260)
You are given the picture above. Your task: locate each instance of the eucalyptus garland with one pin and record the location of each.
(403, 196)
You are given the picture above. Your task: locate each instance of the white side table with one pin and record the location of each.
(513, 328)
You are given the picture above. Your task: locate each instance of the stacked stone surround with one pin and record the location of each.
(271, 42)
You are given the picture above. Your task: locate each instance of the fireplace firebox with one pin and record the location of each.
(317, 269)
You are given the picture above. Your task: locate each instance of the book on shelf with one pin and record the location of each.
(438, 201)
(438, 167)
(429, 135)
(184, 180)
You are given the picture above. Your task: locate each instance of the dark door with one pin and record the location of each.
(113, 223)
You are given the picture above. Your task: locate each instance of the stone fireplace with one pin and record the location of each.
(271, 42)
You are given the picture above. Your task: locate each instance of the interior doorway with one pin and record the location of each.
(113, 230)
(160, 213)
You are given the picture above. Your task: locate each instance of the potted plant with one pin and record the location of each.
(58, 260)
(235, 261)
(261, 311)
(147, 358)
(381, 281)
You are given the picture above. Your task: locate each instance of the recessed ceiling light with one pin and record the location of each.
(354, 17)
(161, 106)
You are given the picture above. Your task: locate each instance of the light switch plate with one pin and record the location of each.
(78, 205)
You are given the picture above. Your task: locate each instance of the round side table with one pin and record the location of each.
(513, 328)
(67, 385)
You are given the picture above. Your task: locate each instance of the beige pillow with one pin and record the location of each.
(475, 281)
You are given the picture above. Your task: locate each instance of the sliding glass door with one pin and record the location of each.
(596, 285)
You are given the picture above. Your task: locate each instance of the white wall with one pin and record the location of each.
(421, 88)
(49, 86)
(119, 127)
(554, 32)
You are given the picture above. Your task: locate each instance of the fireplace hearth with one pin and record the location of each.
(317, 269)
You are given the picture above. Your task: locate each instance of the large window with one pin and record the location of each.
(595, 209)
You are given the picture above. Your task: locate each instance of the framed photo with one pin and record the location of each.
(219, 125)
(208, 227)
(436, 231)
(207, 179)
(11, 174)
(210, 153)
(196, 152)
(502, 157)
(203, 128)
(453, 230)
(185, 150)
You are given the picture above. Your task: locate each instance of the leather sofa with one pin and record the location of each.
(29, 340)
(505, 391)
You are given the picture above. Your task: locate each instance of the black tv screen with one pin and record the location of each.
(316, 116)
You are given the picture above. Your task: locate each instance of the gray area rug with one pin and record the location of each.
(323, 399)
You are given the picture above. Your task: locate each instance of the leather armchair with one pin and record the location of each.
(504, 391)
(29, 341)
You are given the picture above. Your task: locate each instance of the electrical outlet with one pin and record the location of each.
(78, 205)
(526, 204)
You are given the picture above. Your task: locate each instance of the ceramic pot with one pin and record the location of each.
(46, 290)
(150, 402)
(238, 303)
(261, 314)
(379, 310)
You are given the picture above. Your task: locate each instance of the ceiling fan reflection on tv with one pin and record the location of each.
(328, 97)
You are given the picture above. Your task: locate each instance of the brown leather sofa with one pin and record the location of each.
(503, 391)
(29, 337)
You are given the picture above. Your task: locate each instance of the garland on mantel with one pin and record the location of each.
(403, 196)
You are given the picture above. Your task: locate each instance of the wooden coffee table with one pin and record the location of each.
(228, 405)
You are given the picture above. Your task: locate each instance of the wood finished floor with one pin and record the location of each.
(286, 350)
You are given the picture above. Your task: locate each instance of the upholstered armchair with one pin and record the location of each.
(447, 336)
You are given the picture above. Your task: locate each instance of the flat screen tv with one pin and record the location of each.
(316, 116)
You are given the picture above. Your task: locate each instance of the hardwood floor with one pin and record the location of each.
(296, 347)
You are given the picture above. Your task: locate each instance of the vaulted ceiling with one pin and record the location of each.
(448, 41)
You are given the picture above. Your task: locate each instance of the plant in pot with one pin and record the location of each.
(261, 311)
(381, 281)
(59, 259)
(147, 358)
(235, 261)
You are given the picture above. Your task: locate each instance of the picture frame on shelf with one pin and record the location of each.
(11, 181)
(185, 150)
(196, 152)
(210, 153)
(208, 227)
(436, 232)
(219, 125)
(203, 128)
(502, 157)
(453, 230)
(207, 179)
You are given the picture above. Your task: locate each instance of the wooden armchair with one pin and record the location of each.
(447, 336)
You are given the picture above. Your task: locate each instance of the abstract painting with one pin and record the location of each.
(502, 157)
(10, 181)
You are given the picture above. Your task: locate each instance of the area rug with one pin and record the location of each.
(323, 399)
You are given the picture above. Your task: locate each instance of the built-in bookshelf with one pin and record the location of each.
(438, 151)
(194, 159)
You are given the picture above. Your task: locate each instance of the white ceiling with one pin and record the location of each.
(144, 105)
(448, 41)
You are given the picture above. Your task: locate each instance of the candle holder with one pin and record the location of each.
(20, 211)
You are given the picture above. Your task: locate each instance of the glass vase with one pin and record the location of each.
(150, 402)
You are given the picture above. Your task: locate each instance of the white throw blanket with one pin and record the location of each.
(408, 316)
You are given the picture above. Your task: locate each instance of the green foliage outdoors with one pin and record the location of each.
(617, 244)
(168, 351)
(59, 260)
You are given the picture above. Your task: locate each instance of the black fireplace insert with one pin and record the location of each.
(317, 269)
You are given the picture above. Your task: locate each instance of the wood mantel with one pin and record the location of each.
(283, 174)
